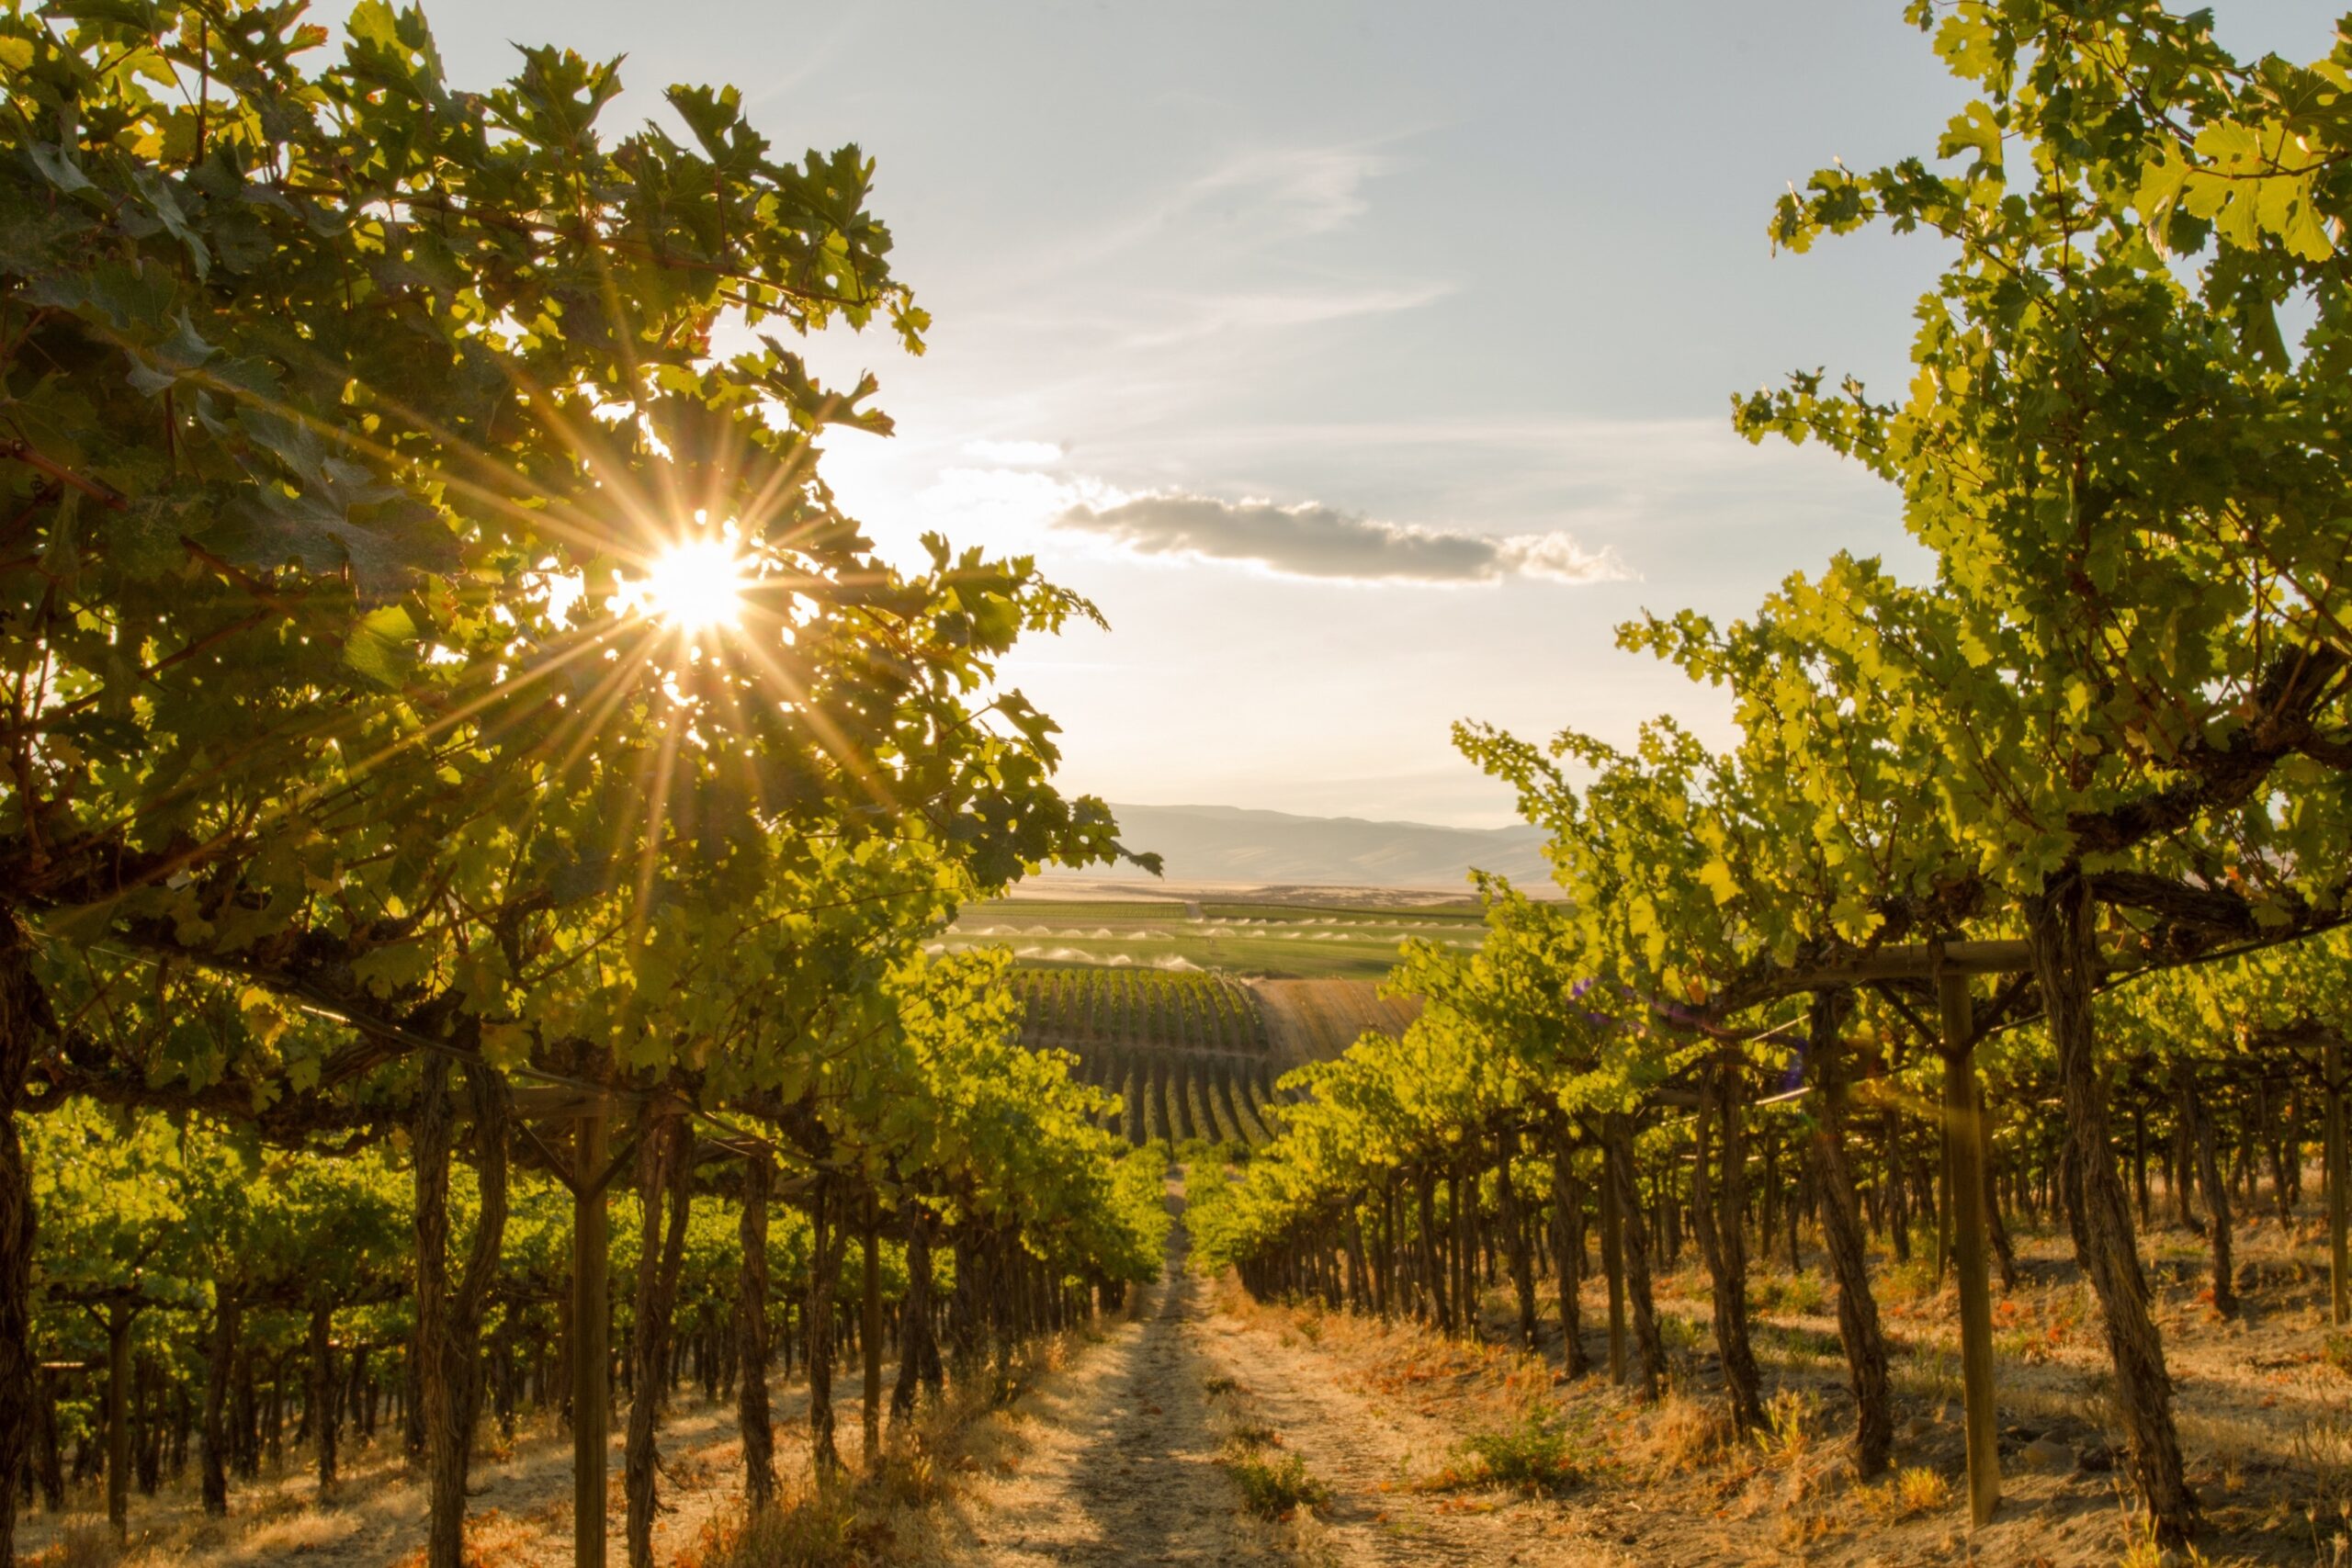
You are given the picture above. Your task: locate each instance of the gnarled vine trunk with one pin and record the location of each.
(2218, 1218)
(437, 1403)
(2059, 921)
(24, 1018)
(1716, 1214)
(916, 1352)
(1996, 1229)
(1567, 1248)
(319, 1394)
(828, 1238)
(221, 1358)
(1463, 1284)
(751, 1337)
(869, 1328)
(1632, 1248)
(449, 1318)
(666, 1159)
(963, 1307)
(1515, 1238)
(1841, 1235)
(1425, 1246)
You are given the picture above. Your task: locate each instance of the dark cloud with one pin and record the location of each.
(1312, 540)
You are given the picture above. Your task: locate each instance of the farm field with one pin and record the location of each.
(1232, 936)
(1188, 1054)
(1194, 1051)
(1313, 1020)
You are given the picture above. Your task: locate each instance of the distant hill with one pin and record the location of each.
(1227, 843)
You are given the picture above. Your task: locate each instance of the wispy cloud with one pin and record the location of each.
(1314, 540)
(1247, 205)
(1216, 315)
(1309, 190)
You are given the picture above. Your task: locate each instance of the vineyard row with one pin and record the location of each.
(1178, 1095)
(1074, 1008)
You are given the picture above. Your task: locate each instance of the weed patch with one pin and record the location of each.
(1916, 1489)
(815, 1529)
(1272, 1486)
(1790, 1295)
(1539, 1455)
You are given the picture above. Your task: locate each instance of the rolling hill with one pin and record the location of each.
(1231, 844)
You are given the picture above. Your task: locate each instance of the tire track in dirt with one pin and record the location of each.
(1370, 1451)
(1123, 1466)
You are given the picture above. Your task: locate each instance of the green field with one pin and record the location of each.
(1273, 940)
(1431, 915)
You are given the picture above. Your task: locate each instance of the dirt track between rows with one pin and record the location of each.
(1125, 1468)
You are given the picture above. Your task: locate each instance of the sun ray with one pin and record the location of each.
(829, 741)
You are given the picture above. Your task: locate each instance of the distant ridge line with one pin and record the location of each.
(1249, 844)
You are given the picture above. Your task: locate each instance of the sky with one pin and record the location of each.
(1365, 363)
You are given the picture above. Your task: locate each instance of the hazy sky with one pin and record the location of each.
(1365, 363)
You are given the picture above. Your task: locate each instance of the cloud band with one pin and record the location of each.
(1314, 540)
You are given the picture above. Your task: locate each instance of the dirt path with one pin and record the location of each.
(1374, 1453)
(1122, 1464)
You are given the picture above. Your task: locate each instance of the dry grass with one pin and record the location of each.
(1916, 1489)
(2261, 1408)
(1780, 1293)
(895, 1514)
(2325, 1444)
(495, 1539)
(1275, 1484)
(283, 1532)
(83, 1545)
(1791, 1417)
(306, 1529)
(1280, 1494)
(1682, 1435)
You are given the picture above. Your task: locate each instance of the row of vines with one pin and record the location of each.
(312, 1359)
(1175, 1097)
(1080, 1007)
(2014, 896)
(444, 973)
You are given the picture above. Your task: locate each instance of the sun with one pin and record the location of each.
(696, 586)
